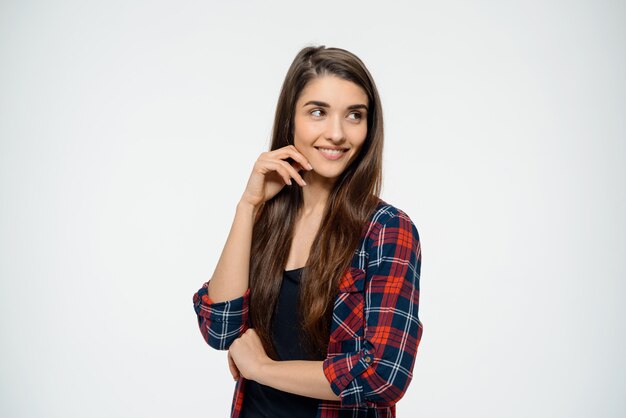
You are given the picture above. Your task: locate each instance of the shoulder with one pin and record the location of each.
(388, 215)
(389, 230)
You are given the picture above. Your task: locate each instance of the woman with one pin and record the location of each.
(316, 292)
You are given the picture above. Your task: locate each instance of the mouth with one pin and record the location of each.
(332, 154)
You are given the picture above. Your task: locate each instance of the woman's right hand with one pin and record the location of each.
(234, 371)
(271, 173)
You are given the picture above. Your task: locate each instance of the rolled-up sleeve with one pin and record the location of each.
(380, 371)
(221, 323)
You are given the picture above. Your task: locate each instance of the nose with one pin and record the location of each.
(334, 129)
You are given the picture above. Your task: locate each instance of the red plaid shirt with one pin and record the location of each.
(375, 329)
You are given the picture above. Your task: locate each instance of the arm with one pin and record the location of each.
(302, 377)
(222, 303)
(221, 323)
(230, 278)
(382, 369)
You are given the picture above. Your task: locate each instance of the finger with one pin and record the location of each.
(285, 170)
(234, 371)
(298, 166)
(292, 151)
(292, 172)
(298, 156)
(266, 165)
(282, 171)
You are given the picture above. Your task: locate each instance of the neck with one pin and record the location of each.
(315, 194)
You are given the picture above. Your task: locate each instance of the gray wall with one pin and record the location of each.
(128, 131)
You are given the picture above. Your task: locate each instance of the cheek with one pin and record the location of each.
(357, 138)
(306, 130)
(358, 134)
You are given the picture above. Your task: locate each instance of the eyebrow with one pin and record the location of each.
(324, 104)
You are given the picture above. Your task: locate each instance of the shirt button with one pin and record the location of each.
(367, 359)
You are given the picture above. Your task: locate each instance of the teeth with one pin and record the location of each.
(332, 151)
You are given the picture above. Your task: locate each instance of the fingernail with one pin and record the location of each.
(310, 166)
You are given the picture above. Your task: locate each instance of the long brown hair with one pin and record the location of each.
(350, 205)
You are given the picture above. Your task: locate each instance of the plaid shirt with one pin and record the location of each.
(375, 329)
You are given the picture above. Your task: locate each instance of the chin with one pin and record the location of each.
(329, 175)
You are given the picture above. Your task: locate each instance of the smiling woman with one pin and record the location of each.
(330, 124)
(316, 293)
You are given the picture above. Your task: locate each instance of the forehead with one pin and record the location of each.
(333, 90)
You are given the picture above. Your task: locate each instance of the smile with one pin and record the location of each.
(332, 154)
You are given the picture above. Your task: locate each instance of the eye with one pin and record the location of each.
(316, 110)
(358, 115)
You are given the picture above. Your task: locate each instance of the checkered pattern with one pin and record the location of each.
(375, 331)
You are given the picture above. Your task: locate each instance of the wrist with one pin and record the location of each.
(247, 207)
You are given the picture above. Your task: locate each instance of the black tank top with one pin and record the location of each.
(265, 401)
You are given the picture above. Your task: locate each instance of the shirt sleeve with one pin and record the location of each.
(221, 323)
(380, 372)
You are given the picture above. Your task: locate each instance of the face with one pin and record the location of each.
(330, 124)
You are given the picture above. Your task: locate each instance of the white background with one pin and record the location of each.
(127, 134)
